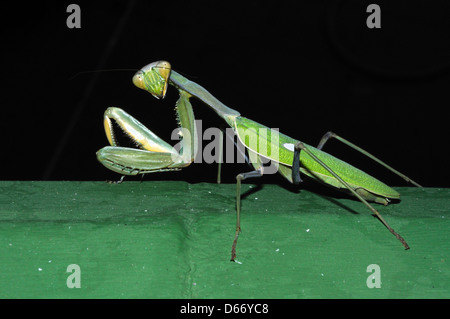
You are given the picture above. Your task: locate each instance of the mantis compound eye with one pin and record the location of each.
(138, 80)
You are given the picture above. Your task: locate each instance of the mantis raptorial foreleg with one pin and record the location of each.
(220, 159)
(330, 134)
(153, 154)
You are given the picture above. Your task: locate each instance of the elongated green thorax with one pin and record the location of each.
(179, 81)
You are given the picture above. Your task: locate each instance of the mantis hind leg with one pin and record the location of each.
(300, 146)
(329, 135)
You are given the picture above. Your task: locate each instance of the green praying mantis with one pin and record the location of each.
(290, 156)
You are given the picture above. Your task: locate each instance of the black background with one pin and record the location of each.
(303, 67)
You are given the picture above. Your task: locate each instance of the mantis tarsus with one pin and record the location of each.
(291, 156)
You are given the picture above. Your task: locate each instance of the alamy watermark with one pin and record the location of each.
(374, 279)
(262, 146)
(73, 21)
(74, 279)
(373, 21)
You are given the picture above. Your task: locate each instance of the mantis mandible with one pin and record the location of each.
(291, 156)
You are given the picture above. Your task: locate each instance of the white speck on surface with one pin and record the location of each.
(40, 269)
(277, 250)
(289, 146)
(307, 230)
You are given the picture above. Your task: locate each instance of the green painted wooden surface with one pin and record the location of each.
(173, 240)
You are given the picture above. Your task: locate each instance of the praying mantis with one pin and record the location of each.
(291, 157)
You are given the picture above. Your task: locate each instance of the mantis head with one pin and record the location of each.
(153, 78)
